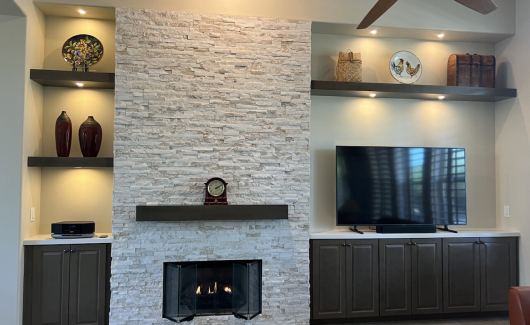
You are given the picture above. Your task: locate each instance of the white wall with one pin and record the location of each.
(392, 122)
(425, 14)
(12, 108)
(512, 136)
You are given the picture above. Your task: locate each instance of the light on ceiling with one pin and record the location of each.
(81, 11)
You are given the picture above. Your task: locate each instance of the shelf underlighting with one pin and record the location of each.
(373, 95)
(79, 84)
(81, 11)
(441, 97)
(373, 32)
(441, 35)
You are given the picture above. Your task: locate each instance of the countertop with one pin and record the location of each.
(46, 239)
(371, 234)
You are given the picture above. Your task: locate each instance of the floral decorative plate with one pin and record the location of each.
(82, 51)
(405, 67)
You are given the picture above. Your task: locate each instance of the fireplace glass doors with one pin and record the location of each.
(211, 288)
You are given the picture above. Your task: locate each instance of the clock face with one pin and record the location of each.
(216, 187)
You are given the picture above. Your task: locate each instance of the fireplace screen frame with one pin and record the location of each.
(183, 282)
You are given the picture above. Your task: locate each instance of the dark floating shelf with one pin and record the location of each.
(210, 212)
(410, 91)
(59, 78)
(71, 162)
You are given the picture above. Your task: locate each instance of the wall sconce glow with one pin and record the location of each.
(441, 97)
(373, 95)
(81, 11)
(441, 35)
(373, 32)
(79, 84)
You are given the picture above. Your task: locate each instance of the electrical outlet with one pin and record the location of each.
(32, 214)
(506, 211)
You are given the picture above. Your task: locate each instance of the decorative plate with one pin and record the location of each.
(83, 50)
(405, 67)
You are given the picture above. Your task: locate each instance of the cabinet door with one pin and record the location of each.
(461, 275)
(328, 282)
(395, 273)
(362, 278)
(498, 267)
(426, 264)
(49, 295)
(87, 284)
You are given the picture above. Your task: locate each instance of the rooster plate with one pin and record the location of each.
(405, 74)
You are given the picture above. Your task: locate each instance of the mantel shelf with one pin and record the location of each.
(210, 212)
(60, 78)
(71, 162)
(406, 91)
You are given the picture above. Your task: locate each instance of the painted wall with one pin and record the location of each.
(512, 136)
(425, 14)
(390, 122)
(12, 108)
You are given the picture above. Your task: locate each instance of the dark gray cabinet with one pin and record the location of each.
(66, 284)
(478, 273)
(410, 276)
(344, 278)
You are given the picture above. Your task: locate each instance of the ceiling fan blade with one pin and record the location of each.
(377, 10)
(482, 6)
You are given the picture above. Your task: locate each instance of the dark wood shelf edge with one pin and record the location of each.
(177, 213)
(71, 162)
(410, 91)
(60, 78)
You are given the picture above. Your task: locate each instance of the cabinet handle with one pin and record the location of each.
(349, 245)
(477, 242)
(72, 251)
(413, 243)
(410, 244)
(343, 244)
(65, 251)
(482, 242)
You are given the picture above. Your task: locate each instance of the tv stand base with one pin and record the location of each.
(392, 229)
(354, 229)
(447, 229)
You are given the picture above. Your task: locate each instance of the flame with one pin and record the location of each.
(198, 290)
(227, 289)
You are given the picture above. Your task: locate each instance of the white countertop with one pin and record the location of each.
(46, 239)
(371, 234)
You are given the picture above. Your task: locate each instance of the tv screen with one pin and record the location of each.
(400, 186)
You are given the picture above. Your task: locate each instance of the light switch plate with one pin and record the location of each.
(32, 214)
(506, 211)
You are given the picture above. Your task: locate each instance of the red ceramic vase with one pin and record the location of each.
(63, 135)
(90, 134)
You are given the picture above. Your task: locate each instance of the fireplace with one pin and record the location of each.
(211, 288)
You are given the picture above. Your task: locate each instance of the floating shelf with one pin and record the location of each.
(406, 91)
(71, 162)
(59, 78)
(210, 212)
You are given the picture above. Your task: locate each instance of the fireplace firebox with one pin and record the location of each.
(211, 288)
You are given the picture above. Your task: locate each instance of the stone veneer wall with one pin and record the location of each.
(199, 96)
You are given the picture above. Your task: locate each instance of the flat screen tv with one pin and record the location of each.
(400, 186)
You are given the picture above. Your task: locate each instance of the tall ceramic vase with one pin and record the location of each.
(90, 134)
(63, 135)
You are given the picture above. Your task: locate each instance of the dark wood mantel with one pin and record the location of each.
(210, 212)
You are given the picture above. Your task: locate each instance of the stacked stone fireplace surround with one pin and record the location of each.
(200, 96)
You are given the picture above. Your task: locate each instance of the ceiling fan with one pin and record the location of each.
(482, 6)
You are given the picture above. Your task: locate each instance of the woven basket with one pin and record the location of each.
(350, 67)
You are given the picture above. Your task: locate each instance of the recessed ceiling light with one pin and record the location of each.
(81, 11)
(441, 97)
(373, 95)
(373, 32)
(441, 35)
(79, 84)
